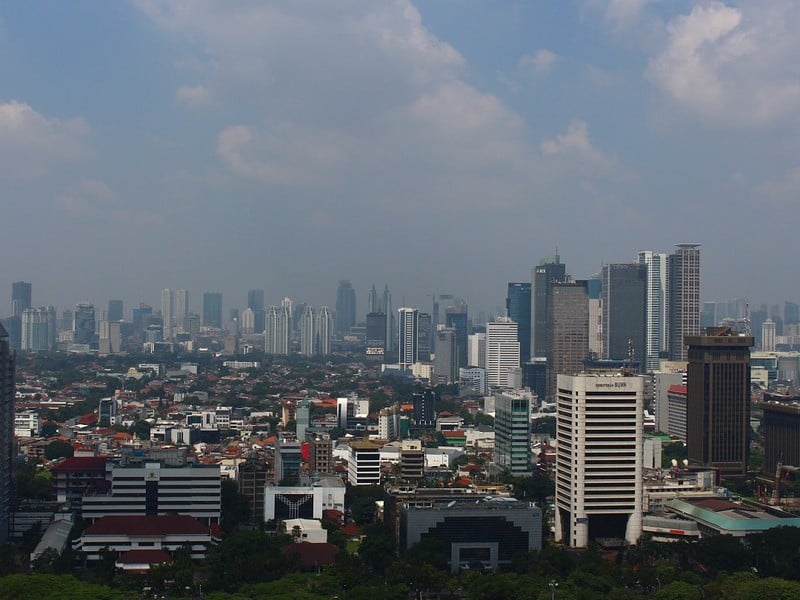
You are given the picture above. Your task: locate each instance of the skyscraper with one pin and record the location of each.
(407, 336)
(387, 310)
(83, 323)
(168, 313)
(767, 336)
(568, 331)
(374, 303)
(549, 270)
(424, 336)
(718, 400)
(308, 332)
(20, 297)
(512, 425)
(276, 334)
(656, 306)
(255, 301)
(114, 310)
(39, 330)
(345, 307)
(683, 276)
(376, 333)
(181, 308)
(518, 309)
(7, 452)
(445, 363)
(600, 429)
(212, 309)
(502, 351)
(456, 317)
(624, 310)
(324, 328)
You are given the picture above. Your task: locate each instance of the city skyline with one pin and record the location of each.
(151, 161)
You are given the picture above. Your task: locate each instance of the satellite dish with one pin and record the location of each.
(674, 462)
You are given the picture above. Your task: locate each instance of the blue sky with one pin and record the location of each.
(440, 146)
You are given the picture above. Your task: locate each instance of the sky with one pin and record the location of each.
(439, 146)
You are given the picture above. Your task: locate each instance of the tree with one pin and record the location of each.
(48, 429)
(678, 590)
(58, 449)
(377, 548)
(141, 429)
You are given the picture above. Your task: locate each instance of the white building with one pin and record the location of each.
(306, 530)
(656, 305)
(276, 334)
(26, 424)
(248, 321)
(598, 458)
(364, 464)
(768, 336)
(303, 502)
(476, 350)
(308, 332)
(407, 336)
(502, 351)
(324, 331)
(167, 313)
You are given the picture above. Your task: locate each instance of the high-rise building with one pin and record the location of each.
(502, 351)
(181, 308)
(324, 328)
(791, 313)
(20, 297)
(568, 331)
(39, 330)
(308, 333)
(600, 430)
(624, 311)
(255, 301)
(656, 306)
(374, 303)
(83, 324)
(518, 309)
(115, 310)
(719, 400)
(594, 288)
(110, 337)
(424, 403)
(276, 334)
(345, 307)
(445, 363)
(407, 336)
(549, 270)
(248, 321)
(424, 336)
(212, 309)
(767, 336)
(387, 310)
(168, 313)
(456, 317)
(7, 451)
(683, 277)
(512, 424)
(376, 333)
(476, 350)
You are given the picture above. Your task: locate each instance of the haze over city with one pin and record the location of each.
(434, 146)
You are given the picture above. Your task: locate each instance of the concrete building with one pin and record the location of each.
(167, 313)
(445, 362)
(473, 380)
(656, 300)
(363, 463)
(677, 412)
(324, 328)
(598, 458)
(502, 351)
(518, 309)
(277, 330)
(767, 335)
(308, 332)
(320, 453)
(212, 309)
(662, 381)
(568, 336)
(781, 428)
(512, 423)
(304, 501)
(476, 350)
(683, 277)
(412, 460)
(624, 311)
(407, 337)
(287, 460)
(39, 329)
(549, 270)
(389, 423)
(718, 423)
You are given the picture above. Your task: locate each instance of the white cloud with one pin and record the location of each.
(542, 61)
(30, 143)
(193, 95)
(86, 195)
(619, 14)
(732, 65)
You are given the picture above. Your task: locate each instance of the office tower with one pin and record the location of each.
(7, 451)
(374, 303)
(114, 310)
(20, 297)
(767, 336)
(594, 290)
(423, 337)
(276, 335)
(502, 351)
(518, 309)
(83, 323)
(324, 329)
(191, 325)
(708, 315)
(719, 400)
(407, 336)
(376, 333)
(656, 306)
(624, 311)
(168, 313)
(387, 310)
(791, 313)
(780, 426)
(456, 317)
(549, 270)
(512, 424)
(445, 362)
(255, 302)
(39, 329)
(600, 429)
(181, 308)
(683, 277)
(757, 318)
(424, 403)
(567, 331)
(308, 333)
(141, 318)
(212, 309)
(476, 350)
(248, 323)
(345, 307)
(110, 337)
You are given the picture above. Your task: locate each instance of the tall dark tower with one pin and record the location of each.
(549, 270)
(212, 309)
(683, 308)
(625, 311)
(518, 307)
(718, 401)
(20, 297)
(345, 306)
(7, 453)
(568, 331)
(255, 302)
